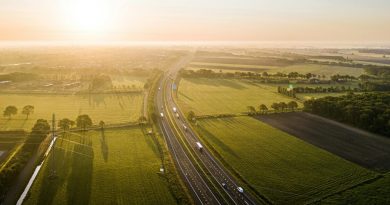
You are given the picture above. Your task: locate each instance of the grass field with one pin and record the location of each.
(308, 96)
(107, 107)
(119, 167)
(216, 96)
(280, 166)
(318, 69)
(377, 192)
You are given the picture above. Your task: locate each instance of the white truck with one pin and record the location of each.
(199, 146)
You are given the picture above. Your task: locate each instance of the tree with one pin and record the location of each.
(65, 124)
(251, 110)
(83, 121)
(27, 110)
(142, 120)
(275, 106)
(101, 124)
(9, 111)
(191, 116)
(282, 106)
(263, 108)
(292, 105)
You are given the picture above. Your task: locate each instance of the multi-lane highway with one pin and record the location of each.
(178, 134)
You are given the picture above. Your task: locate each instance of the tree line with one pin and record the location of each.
(277, 106)
(369, 111)
(13, 110)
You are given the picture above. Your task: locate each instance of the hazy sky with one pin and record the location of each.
(192, 20)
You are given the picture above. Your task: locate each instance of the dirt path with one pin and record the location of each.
(358, 146)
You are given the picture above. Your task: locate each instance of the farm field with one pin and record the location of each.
(283, 168)
(355, 145)
(120, 166)
(112, 108)
(318, 69)
(308, 96)
(377, 192)
(221, 96)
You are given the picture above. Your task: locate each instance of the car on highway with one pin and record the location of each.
(177, 115)
(162, 114)
(240, 189)
(185, 127)
(174, 109)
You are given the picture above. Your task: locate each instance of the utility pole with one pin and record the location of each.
(53, 174)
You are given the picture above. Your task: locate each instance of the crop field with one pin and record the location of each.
(308, 96)
(283, 168)
(377, 192)
(355, 145)
(220, 96)
(111, 108)
(119, 166)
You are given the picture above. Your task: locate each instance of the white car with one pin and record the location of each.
(174, 109)
(177, 115)
(162, 114)
(240, 189)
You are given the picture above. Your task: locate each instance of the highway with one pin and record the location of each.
(175, 120)
(198, 187)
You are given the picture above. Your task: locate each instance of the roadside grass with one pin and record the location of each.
(280, 166)
(377, 192)
(220, 96)
(119, 166)
(112, 108)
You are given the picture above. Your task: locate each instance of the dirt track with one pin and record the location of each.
(358, 146)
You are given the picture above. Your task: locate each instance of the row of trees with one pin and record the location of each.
(279, 107)
(208, 73)
(370, 111)
(13, 110)
(82, 121)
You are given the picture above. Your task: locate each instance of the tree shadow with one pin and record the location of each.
(217, 83)
(222, 145)
(185, 96)
(80, 178)
(50, 186)
(104, 146)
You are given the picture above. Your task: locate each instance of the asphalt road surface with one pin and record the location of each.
(175, 120)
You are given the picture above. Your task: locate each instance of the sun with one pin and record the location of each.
(88, 16)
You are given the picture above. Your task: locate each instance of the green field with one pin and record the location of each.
(318, 69)
(377, 192)
(119, 167)
(107, 107)
(280, 166)
(326, 70)
(218, 96)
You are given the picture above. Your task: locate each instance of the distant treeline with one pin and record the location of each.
(264, 77)
(18, 76)
(369, 111)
